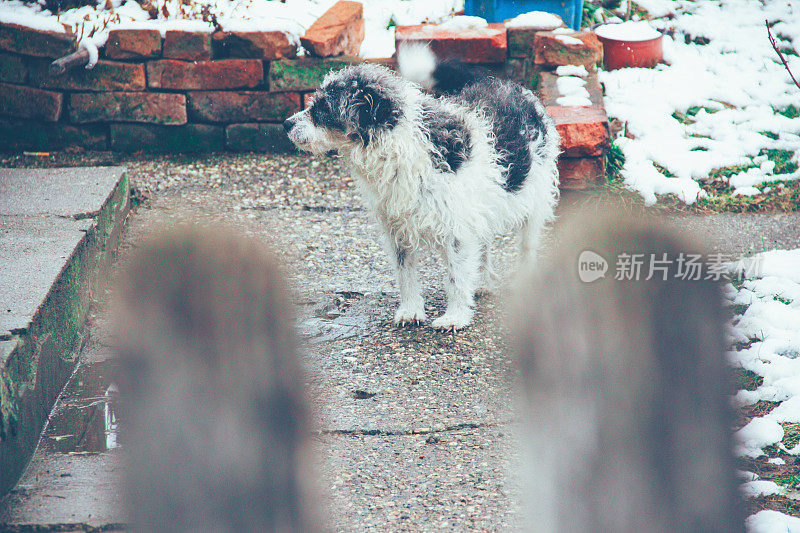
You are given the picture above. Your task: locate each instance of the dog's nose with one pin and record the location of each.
(287, 124)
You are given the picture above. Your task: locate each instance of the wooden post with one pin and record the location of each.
(76, 59)
(627, 388)
(212, 405)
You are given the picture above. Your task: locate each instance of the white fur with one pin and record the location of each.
(417, 62)
(421, 207)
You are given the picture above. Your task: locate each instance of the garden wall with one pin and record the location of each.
(194, 91)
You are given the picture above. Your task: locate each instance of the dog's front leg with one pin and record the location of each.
(412, 306)
(463, 265)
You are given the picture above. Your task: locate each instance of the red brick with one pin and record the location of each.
(549, 93)
(205, 75)
(129, 44)
(105, 76)
(27, 134)
(340, 30)
(12, 69)
(152, 108)
(581, 172)
(27, 102)
(521, 39)
(583, 130)
(27, 41)
(482, 45)
(267, 45)
(258, 138)
(549, 51)
(245, 106)
(187, 45)
(155, 138)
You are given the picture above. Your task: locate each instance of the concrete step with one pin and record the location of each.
(59, 229)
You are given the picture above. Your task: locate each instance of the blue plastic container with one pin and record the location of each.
(570, 11)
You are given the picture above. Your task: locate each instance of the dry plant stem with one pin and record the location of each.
(780, 55)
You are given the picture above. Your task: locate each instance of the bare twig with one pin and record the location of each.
(780, 55)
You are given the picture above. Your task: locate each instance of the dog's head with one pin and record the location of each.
(351, 107)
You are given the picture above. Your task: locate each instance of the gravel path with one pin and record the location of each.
(415, 425)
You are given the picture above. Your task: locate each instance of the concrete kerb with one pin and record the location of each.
(38, 348)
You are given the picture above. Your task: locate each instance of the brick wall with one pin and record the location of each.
(193, 91)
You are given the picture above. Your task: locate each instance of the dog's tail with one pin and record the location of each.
(418, 63)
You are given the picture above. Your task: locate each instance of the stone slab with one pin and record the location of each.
(33, 251)
(62, 192)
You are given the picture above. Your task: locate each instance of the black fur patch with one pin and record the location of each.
(449, 136)
(451, 75)
(324, 112)
(401, 256)
(374, 111)
(515, 122)
(361, 101)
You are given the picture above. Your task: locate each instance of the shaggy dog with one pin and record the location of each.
(448, 172)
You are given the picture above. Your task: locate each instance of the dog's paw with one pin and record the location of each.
(454, 320)
(408, 314)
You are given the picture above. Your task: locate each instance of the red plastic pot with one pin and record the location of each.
(621, 54)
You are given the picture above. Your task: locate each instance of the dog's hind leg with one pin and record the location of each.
(530, 236)
(489, 280)
(412, 306)
(463, 265)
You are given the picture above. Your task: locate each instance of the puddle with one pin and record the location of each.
(336, 320)
(84, 419)
(319, 330)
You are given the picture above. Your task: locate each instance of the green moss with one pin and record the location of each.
(303, 74)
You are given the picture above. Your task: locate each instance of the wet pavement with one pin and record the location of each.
(414, 426)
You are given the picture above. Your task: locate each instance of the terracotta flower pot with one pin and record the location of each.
(619, 53)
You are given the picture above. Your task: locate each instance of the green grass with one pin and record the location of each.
(789, 112)
(615, 160)
(791, 435)
(747, 380)
(688, 116)
(773, 136)
(788, 481)
(726, 172)
(699, 40)
(664, 171)
(782, 159)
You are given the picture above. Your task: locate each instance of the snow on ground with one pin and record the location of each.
(92, 23)
(769, 332)
(735, 84)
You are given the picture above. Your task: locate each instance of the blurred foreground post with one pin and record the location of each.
(627, 389)
(213, 414)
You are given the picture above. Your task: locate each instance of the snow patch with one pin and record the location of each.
(535, 19)
(628, 31)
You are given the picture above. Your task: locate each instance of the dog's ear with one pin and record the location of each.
(373, 111)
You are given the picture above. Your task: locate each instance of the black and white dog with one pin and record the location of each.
(448, 172)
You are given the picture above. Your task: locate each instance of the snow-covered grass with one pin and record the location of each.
(92, 23)
(765, 334)
(708, 123)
